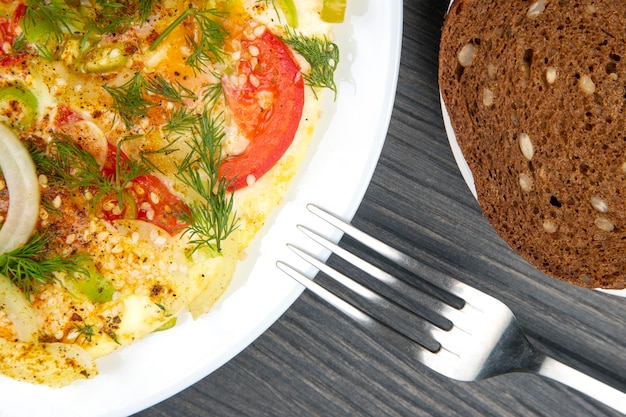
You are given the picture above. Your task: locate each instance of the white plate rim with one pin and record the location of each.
(163, 364)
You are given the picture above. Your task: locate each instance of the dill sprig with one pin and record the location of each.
(321, 54)
(48, 22)
(210, 217)
(118, 16)
(110, 18)
(212, 92)
(272, 4)
(86, 332)
(19, 44)
(208, 46)
(129, 99)
(77, 168)
(55, 15)
(126, 170)
(29, 266)
(68, 164)
(144, 9)
(180, 121)
(174, 93)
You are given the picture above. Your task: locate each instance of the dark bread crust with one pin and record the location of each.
(564, 208)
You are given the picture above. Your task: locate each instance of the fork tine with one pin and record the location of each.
(432, 356)
(426, 307)
(441, 286)
(406, 322)
(395, 338)
(412, 299)
(340, 304)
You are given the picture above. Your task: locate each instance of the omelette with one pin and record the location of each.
(142, 146)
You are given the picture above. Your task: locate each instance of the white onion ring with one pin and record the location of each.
(20, 177)
(18, 310)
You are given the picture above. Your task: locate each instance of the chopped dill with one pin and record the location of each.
(19, 44)
(174, 93)
(210, 219)
(209, 45)
(71, 165)
(321, 54)
(118, 16)
(288, 9)
(112, 335)
(129, 99)
(164, 310)
(47, 22)
(181, 121)
(28, 266)
(212, 92)
(85, 331)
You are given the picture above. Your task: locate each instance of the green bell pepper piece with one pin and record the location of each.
(92, 284)
(333, 11)
(289, 10)
(104, 58)
(27, 105)
(167, 325)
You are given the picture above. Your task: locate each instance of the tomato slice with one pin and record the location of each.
(65, 115)
(8, 26)
(267, 107)
(158, 205)
(147, 198)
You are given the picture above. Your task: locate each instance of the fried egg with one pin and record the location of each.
(146, 276)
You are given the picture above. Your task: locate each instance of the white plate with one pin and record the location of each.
(335, 176)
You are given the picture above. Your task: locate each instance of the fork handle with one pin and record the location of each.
(600, 391)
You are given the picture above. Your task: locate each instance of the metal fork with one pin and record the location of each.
(456, 330)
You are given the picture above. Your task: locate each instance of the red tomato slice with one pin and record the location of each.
(8, 26)
(267, 107)
(10, 60)
(147, 198)
(151, 200)
(65, 115)
(158, 205)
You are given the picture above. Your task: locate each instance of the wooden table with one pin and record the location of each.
(315, 362)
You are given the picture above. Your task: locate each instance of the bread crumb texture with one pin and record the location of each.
(536, 92)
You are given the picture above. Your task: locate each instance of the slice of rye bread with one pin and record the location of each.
(536, 93)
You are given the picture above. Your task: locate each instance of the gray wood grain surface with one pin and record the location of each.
(315, 362)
